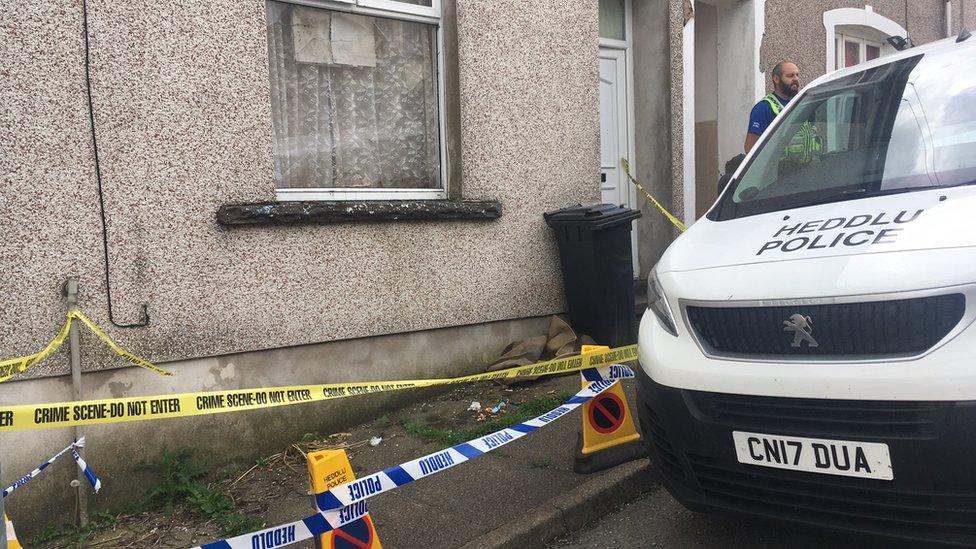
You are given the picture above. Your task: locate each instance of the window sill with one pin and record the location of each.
(353, 211)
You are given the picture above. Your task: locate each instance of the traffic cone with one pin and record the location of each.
(609, 436)
(12, 542)
(327, 469)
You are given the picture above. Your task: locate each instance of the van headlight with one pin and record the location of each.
(657, 304)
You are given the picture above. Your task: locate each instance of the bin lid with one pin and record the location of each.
(593, 217)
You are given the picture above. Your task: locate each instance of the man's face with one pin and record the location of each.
(788, 85)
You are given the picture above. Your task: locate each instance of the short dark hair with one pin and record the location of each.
(778, 69)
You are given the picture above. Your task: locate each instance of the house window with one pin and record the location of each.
(856, 35)
(852, 50)
(356, 99)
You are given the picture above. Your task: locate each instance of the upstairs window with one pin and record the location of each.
(853, 50)
(356, 99)
(857, 35)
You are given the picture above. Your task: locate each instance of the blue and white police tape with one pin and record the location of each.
(346, 503)
(89, 474)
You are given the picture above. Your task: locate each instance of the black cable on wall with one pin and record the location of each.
(98, 177)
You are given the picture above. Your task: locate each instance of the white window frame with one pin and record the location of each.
(866, 19)
(840, 47)
(390, 9)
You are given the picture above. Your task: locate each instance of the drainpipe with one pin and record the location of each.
(948, 17)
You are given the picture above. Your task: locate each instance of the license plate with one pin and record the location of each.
(815, 455)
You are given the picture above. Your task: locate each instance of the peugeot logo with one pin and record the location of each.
(802, 328)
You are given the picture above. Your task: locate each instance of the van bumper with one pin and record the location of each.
(932, 446)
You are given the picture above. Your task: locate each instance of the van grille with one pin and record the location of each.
(660, 446)
(901, 327)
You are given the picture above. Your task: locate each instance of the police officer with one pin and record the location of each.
(786, 84)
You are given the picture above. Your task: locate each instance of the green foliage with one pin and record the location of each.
(49, 533)
(235, 524)
(180, 478)
(181, 483)
(101, 519)
(210, 503)
(450, 437)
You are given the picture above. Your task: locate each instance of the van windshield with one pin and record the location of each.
(905, 126)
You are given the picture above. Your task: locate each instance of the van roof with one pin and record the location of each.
(947, 46)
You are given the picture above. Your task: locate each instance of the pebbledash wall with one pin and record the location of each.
(183, 116)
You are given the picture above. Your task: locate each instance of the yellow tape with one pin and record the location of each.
(134, 359)
(118, 410)
(674, 220)
(14, 366)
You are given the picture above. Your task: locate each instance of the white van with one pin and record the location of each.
(808, 350)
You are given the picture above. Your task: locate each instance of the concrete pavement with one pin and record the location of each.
(522, 495)
(657, 520)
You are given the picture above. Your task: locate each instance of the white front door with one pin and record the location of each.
(615, 135)
(614, 186)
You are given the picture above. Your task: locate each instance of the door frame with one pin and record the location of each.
(627, 47)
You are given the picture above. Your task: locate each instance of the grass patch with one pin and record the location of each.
(181, 483)
(449, 437)
(77, 534)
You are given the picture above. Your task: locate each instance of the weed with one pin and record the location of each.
(182, 483)
(234, 524)
(210, 503)
(542, 463)
(49, 533)
(449, 437)
(101, 519)
(180, 478)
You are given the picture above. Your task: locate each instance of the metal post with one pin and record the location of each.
(71, 296)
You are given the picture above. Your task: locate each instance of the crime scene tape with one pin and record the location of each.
(73, 448)
(118, 410)
(133, 358)
(346, 503)
(650, 198)
(13, 366)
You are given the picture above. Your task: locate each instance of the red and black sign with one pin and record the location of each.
(355, 535)
(606, 413)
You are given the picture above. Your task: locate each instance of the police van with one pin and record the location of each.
(808, 350)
